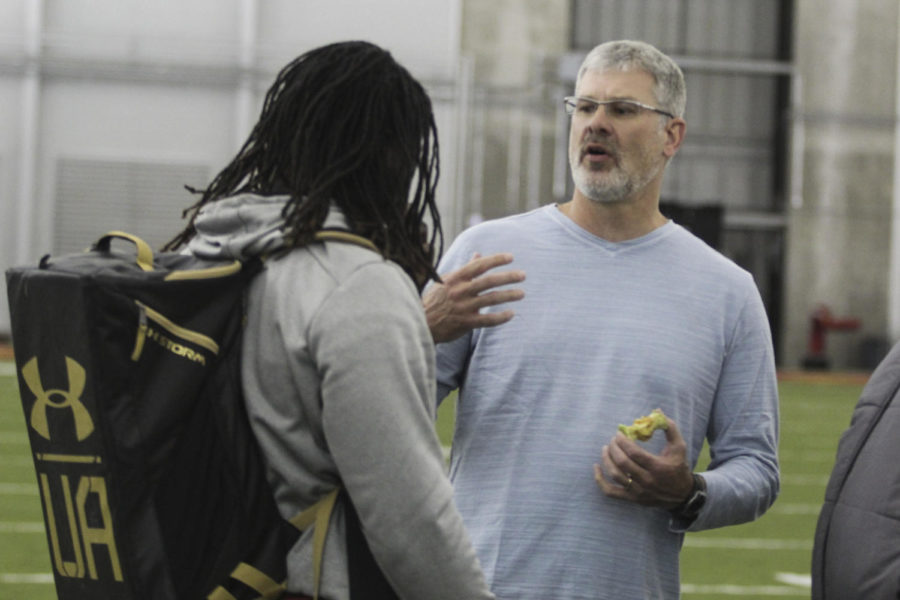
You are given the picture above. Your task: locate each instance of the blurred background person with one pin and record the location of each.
(856, 552)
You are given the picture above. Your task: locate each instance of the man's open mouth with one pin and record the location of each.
(596, 151)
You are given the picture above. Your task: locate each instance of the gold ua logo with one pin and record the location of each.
(71, 399)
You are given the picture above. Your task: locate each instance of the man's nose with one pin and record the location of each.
(600, 121)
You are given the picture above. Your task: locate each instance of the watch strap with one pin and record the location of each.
(690, 508)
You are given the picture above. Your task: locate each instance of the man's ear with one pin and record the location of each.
(675, 130)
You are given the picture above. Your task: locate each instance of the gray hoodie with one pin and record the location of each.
(338, 372)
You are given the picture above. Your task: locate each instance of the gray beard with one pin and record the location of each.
(614, 188)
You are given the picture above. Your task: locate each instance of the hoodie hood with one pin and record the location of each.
(245, 226)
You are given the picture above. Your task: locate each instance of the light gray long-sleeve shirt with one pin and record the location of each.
(338, 372)
(606, 332)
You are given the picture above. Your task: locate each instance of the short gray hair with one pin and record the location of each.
(626, 55)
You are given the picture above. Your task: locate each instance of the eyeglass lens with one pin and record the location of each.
(614, 109)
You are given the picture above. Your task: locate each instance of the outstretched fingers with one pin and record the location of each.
(479, 265)
(453, 306)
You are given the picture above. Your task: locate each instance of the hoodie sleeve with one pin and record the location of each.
(376, 362)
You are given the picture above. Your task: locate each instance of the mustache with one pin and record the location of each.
(598, 143)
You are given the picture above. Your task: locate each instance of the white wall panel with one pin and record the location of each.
(203, 19)
(12, 18)
(140, 30)
(153, 124)
(423, 35)
(10, 94)
(144, 119)
(160, 19)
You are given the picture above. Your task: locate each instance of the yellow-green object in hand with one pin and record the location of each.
(643, 427)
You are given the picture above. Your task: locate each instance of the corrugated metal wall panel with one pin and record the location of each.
(95, 196)
(723, 28)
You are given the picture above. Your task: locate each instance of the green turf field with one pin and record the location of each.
(765, 559)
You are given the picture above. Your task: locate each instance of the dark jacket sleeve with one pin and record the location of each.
(856, 551)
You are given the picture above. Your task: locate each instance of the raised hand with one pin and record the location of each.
(453, 307)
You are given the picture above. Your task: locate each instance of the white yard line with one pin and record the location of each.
(796, 508)
(747, 543)
(22, 527)
(18, 489)
(799, 579)
(816, 480)
(750, 591)
(794, 584)
(14, 578)
(7, 368)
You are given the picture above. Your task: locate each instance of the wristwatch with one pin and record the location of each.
(690, 508)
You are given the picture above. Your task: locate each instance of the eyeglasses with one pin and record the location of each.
(615, 109)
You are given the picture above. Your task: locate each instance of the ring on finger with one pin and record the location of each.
(628, 483)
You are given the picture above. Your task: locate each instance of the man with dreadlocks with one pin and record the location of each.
(337, 358)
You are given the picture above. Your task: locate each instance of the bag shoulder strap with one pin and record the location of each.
(319, 516)
(342, 235)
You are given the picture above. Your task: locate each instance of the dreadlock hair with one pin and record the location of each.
(344, 124)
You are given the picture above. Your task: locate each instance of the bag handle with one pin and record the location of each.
(144, 252)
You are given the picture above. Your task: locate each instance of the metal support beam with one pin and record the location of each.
(29, 111)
